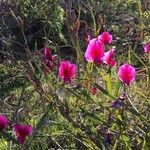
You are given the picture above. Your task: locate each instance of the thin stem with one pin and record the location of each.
(128, 98)
(93, 18)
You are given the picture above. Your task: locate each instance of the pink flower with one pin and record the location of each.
(22, 131)
(127, 74)
(67, 71)
(108, 58)
(3, 122)
(49, 59)
(94, 90)
(94, 51)
(147, 48)
(47, 54)
(105, 38)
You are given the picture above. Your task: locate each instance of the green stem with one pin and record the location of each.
(128, 98)
(148, 71)
(93, 18)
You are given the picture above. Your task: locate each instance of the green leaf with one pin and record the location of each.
(138, 115)
(115, 145)
(109, 83)
(127, 141)
(144, 145)
(3, 144)
(9, 137)
(89, 68)
(40, 124)
(125, 138)
(89, 144)
(134, 112)
(117, 87)
(119, 117)
(91, 115)
(105, 92)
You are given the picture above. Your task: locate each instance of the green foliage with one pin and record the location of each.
(3, 144)
(69, 116)
(47, 10)
(10, 79)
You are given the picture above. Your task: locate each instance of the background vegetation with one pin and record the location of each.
(70, 116)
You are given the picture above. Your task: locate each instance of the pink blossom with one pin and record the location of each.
(108, 58)
(47, 54)
(22, 131)
(105, 38)
(94, 90)
(67, 71)
(127, 74)
(94, 51)
(49, 59)
(147, 48)
(3, 122)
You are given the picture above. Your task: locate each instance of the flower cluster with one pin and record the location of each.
(95, 53)
(21, 131)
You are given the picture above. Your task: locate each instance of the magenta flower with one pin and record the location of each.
(49, 59)
(3, 122)
(47, 54)
(94, 90)
(105, 38)
(67, 71)
(147, 48)
(94, 51)
(127, 74)
(22, 131)
(108, 58)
